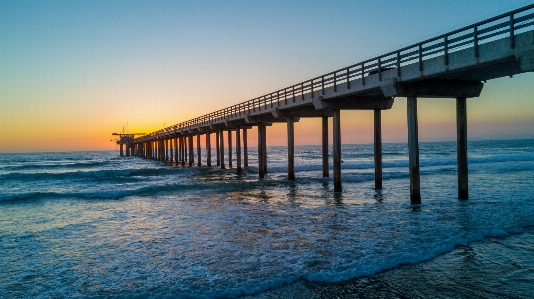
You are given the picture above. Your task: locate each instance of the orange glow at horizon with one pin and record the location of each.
(72, 73)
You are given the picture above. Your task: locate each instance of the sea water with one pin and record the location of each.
(96, 225)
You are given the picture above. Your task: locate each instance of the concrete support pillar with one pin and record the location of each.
(184, 142)
(166, 150)
(221, 148)
(325, 147)
(179, 159)
(337, 150)
(217, 149)
(230, 148)
(158, 144)
(191, 153)
(162, 149)
(413, 151)
(171, 150)
(245, 148)
(290, 148)
(128, 150)
(461, 136)
(176, 151)
(199, 151)
(238, 148)
(261, 168)
(121, 150)
(264, 147)
(208, 149)
(378, 149)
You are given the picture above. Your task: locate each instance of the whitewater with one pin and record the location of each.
(97, 225)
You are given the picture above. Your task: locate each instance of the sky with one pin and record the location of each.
(73, 72)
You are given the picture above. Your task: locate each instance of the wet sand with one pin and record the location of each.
(496, 267)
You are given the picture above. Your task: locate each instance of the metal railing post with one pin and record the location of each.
(348, 78)
(420, 57)
(446, 49)
(398, 64)
(512, 38)
(379, 69)
(363, 74)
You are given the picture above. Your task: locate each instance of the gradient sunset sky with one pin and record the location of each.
(73, 72)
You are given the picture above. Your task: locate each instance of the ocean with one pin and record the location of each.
(96, 225)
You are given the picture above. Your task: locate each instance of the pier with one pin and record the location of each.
(126, 142)
(452, 65)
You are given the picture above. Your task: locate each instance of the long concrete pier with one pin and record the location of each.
(451, 65)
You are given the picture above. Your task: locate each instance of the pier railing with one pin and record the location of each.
(505, 25)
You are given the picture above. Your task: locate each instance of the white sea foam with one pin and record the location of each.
(157, 230)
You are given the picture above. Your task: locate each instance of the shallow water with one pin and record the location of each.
(92, 224)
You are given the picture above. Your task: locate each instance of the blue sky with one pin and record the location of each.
(71, 72)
